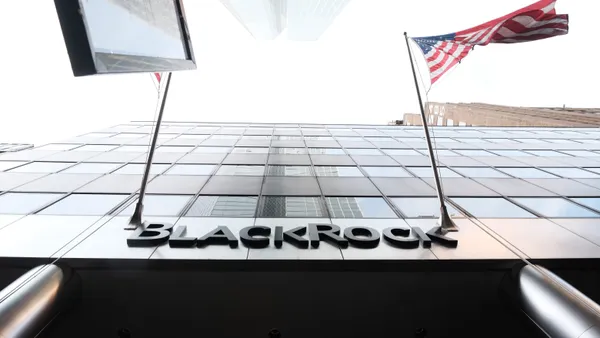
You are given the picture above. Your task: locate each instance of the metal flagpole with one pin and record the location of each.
(136, 220)
(445, 222)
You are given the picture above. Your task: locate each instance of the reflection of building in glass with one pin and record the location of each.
(12, 147)
(346, 207)
(305, 20)
(489, 115)
(161, 14)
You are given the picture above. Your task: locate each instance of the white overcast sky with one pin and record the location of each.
(358, 72)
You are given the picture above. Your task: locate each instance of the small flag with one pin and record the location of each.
(534, 22)
(156, 77)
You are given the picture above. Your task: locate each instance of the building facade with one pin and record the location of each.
(517, 194)
(489, 115)
(304, 20)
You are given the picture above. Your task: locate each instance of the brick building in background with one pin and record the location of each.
(489, 115)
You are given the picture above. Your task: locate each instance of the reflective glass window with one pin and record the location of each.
(6, 165)
(250, 150)
(289, 170)
(58, 147)
(92, 168)
(241, 170)
(84, 204)
(386, 172)
(545, 153)
(96, 147)
(358, 151)
(138, 169)
(427, 172)
(474, 152)
(326, 151)
(42, 167)
(340, 171)
(510, 153)
(417, 207)
(278, 206)
(402, 152)
(494, 207)
(24, 203)
(217, 150)
(174, 149)
(590, 202)
(527, 173)
(190, 169)
(289, 151)
(572, 173)
(359, 207)
(160, 205)
(478, 172)
(555, 207)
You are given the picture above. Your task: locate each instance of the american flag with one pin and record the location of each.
(534, 22)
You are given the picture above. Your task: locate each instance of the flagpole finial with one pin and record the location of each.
(405, 33)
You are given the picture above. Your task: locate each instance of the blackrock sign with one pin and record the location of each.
(256, 237)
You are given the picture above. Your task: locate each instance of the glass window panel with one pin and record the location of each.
(223, 206)
(358, 151)
(160, 205)
(351, 139)
(530, 140)
(84, 204)
(527, 173)
(557, 140)
(589, 140)
(220, 150)
(250, 150)
(255, 137)
(58, 147)
(319, 138)
(98, 135)
(42, 167)
(139, 149)
(359, 207)
(276, 206)
(380, 139)
(581, 153)
(477, 172)
(224, 137)
(501, 140)
(596, 170)
(190, 169)
(592, 202)
(471, 140)
(337, 171)
(138, 169)
(96, 147)
(427, 172)
(386, 172)
(475, 153)
(193, 137)
(289, 151)
(287, 138)
(402, 152)
(416, 207)
(174, 149)
(410, 139)
(5, 165)
(24, 203)
(572, 173)
(326, 151)
(511, 153)
(289, 170)
(555, 207)
(241, 170)
(92, 168)
(129, 135)
(439, 152)
(544, 153)
(444, 140)
(491, 207)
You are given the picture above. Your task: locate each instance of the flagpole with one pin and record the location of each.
(445, 222)
(136, 219)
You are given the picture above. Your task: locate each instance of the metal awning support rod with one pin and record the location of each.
(136, 219)
(32, 301)
(445, 222)
(552, 304)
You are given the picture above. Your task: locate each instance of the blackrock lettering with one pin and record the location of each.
(256, 237)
